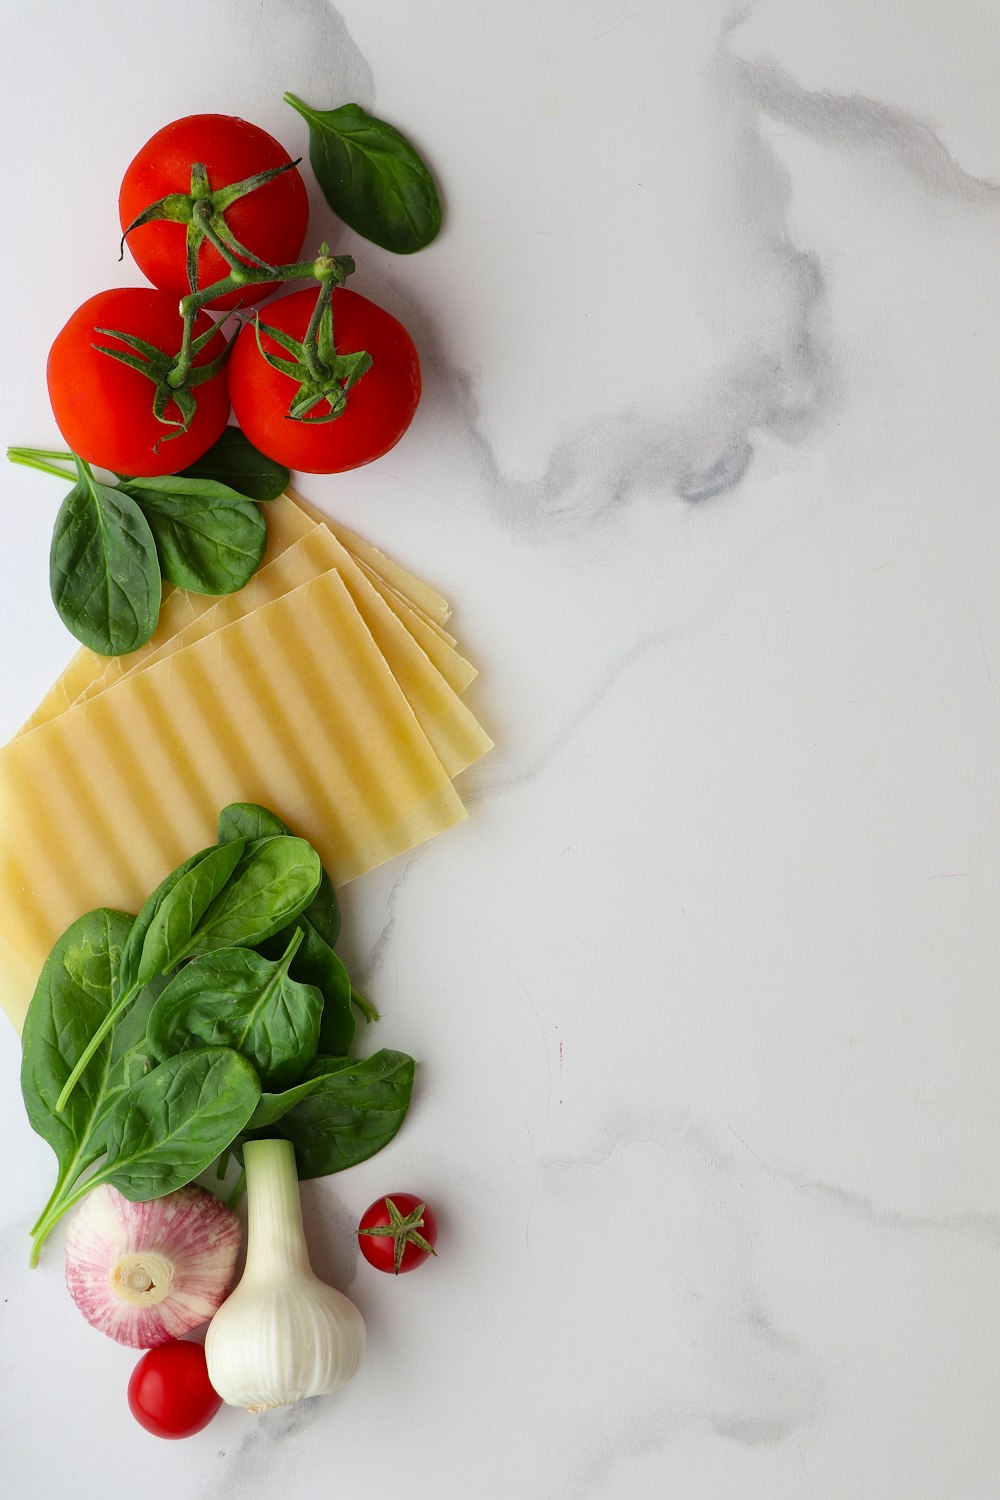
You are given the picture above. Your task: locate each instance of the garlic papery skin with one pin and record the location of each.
(146, 1273)
(283, 1334)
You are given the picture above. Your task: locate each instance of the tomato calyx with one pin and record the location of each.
(170, 387)
(203, 211)
(404, 1230)
(320, 372)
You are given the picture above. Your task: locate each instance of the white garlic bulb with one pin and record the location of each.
(283, 1334)
(146, 1273)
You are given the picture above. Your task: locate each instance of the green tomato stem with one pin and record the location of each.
(310, 342)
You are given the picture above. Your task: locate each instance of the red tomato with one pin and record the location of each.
(397, 1233)
(270, 221)
(169, 1392)
(105, 409)
(379, 408)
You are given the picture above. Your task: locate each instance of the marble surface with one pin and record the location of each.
(705, 991)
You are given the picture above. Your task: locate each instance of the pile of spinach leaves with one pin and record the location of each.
(155, 1045)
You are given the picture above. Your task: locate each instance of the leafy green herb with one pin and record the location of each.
(111, 545)
(163, 927)
(173, 1122)
(71, 1001)
(349, 1115)
(147, 1038)
(275, 880)
(271, 1107)
(171, 915)
(209, 545)
(235, 998)
(316, 964)
(372, 177)
(250, 821)
(234, 460)
(103, 569)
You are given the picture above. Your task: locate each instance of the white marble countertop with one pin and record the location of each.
(705, 992)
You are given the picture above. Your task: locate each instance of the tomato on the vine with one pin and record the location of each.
(169, 1392)
(269, 221)
(397, 1233)
(378, 410)
(104, 408)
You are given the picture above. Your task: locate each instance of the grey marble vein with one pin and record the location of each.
(756, 1386)
(775, 376)
(969, 1224)
(862, 123)
(620, 1129)
(491, 777)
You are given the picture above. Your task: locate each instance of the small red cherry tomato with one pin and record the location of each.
(170, 1393)
(397, 1233)
(104, 408)
(379, 407)
(270, 221)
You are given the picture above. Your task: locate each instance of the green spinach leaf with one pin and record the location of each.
(350, 1114)
(173, 1122)
(131, 1057)
(316, 964)
(72, 999)
(103, 569)
(235, 998)
(170, 916)
(209, 545)
(271, 1107)
(274, 881)
(250, 821)
(234, 461)
(372, 177)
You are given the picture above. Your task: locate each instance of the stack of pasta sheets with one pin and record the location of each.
(327, 689)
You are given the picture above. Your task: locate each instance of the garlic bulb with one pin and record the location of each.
(283, 1334)
(145, 1273)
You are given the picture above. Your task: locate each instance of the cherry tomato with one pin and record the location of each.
(105, 409)
(169, 1392)
(380, 406)
(397, 1233)
(270, 221)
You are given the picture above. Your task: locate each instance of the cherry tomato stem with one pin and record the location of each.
(397, 1233)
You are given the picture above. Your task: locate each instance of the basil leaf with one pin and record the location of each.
(250, 821)
(271, 1107)
(204, 545)
(73, 997)
(103, 570)
(235, 998)
(372, 177)
(274, 881)
(234, 461)
(174, 1122)
(171, 914)
(349, 1115)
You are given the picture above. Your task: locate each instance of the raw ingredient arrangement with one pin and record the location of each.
(264, 706)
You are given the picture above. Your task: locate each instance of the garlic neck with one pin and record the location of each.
(276, 1241)
(143, 1279)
